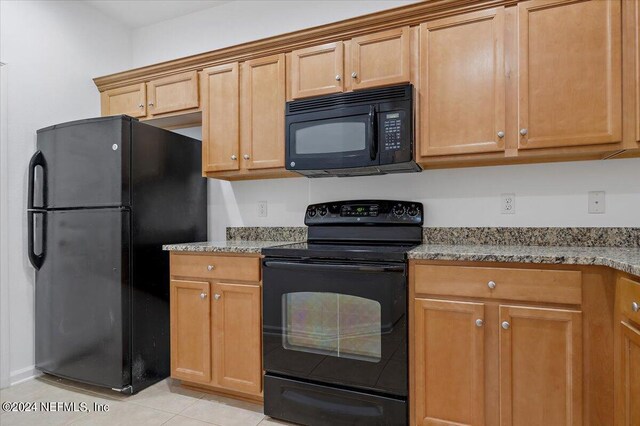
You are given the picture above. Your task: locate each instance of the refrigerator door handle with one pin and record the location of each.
(36, 160)
(36, 259)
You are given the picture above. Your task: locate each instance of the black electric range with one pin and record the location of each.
(335, 315)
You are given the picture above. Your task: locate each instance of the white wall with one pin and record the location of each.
(53, 49)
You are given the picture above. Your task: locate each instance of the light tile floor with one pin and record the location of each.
(165, 403)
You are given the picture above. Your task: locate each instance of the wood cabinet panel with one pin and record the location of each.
(380, 59)
(130, 100)
(629, 384)
(449, 363)
(569, 73)
(540, 366)
(220, 118)
(190, 331)
(317, 70)
(463, 84)
(173, 93)
(530, 285)
(237, 349)
(210, 266)
(263, 100)
(629, 299)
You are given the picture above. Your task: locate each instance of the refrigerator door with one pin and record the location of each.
(83, 296)
(83, 164)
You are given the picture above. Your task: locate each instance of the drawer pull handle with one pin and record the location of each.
(217, 296)
(203, 295)
(210, 267)
(505, 325)
(479, 322)
(491, 285)
(635, 307)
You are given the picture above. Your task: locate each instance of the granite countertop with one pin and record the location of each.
(623, 259)
(229, 246)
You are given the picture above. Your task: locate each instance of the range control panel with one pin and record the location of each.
(365, 212)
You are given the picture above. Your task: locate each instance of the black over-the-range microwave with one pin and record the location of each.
(367, 132)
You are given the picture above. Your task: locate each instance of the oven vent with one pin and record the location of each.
(386, 94)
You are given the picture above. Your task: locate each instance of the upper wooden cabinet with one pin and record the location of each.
(317, 70)
(129, 100)
(462, 84)
(570, 73)
(262, 106)
(173, 93)
(378, 59)
(221, 118)
(190, 331)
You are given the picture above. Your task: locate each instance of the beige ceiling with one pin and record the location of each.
(139, 13)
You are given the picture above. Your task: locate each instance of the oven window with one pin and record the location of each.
(331, 136)
(333, 324)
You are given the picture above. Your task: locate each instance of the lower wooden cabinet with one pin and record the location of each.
(477, 360)
(628, 352)
(216, 324)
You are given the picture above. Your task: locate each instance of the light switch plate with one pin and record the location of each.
(597, 202)
(262, 209)
(508, 203)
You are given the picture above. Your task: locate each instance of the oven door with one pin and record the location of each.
(332, 139)
(341, 323)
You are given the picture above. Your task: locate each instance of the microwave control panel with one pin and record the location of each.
(365, 212)
(392, 125)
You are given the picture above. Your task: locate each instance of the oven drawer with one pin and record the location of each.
(531, 285)
(630, 299)
(209, 266)
(318, 405)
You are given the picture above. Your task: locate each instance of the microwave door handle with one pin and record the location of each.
(373, 139)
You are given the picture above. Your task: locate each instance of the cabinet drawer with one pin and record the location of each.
(630, 294)
(215, 267)
(531, 285)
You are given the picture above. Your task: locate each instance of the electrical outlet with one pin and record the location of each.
(262, 209)
(508, 203)
(597, 202)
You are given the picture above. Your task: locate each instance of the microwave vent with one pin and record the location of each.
(372, 96)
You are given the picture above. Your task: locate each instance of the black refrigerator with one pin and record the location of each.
(104, 195)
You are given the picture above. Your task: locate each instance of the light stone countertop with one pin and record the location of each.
(229, 246)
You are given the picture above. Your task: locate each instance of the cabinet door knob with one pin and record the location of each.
(501, 134)
(479, 322)
(217, 296)
(141, 106)
(491, 285)
(203, 295)
(210, 267)
(635, 307)
(338, 77)
(523, 132)
(151, 104)
(505, 325)
(246, 156)
(354, 74)
(233, 157)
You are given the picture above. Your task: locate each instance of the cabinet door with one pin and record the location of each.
(380, 59)
(129, 100)
(317, 70)
(263, 103)
(190, 331)
(237, 331)
(540, 366)
(629, 383)
(449, 363)
(463, 84)
(173, 93)
(569, 73)
(220, 118)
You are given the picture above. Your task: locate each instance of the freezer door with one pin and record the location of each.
(83, 164)
(83, 296)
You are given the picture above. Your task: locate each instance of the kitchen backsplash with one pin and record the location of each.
(550, 236)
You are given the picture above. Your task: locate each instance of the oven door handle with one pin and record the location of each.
(332, 267)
